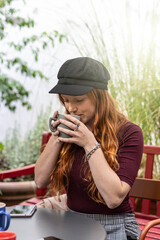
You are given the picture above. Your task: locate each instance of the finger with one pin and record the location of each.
(67, 123)
(70, 125)
(55, 123)
(55, 114)
(56, 133)
(77, 127)
(65, 130)
(67, 140)
(71, 118)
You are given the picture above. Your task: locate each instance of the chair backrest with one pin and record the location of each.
(150, 152)
(146, 189)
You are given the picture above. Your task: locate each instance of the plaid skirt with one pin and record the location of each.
(118, 227)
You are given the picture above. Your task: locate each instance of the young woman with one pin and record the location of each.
(98, 164)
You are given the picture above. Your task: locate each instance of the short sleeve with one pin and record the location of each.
(130, 152)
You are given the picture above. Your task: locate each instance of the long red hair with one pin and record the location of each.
(108, 120)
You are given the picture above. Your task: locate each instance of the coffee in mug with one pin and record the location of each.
(61, 116)
(4, 217)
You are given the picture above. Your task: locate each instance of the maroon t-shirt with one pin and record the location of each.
(129, 156)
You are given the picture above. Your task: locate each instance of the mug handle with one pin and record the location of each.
(50, 124)
(7, 222)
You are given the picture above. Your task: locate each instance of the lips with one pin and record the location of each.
(80, 115)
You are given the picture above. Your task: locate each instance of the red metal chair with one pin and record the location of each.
(150, 152)
(39, 193)
(148, 193)
(147, 227)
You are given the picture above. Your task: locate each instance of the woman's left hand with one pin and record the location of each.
(81, 135)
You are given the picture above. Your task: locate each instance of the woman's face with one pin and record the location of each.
(81, 106)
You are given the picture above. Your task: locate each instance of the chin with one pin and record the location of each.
(83, 120)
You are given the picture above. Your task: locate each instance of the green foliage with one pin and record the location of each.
(1, 146)
(132, 60)
(129, 50)
(11, 89)
(20, 151)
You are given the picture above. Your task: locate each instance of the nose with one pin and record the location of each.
(72, 108)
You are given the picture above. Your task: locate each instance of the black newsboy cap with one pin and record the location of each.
(80, 75)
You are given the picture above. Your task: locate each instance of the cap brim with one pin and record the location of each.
(74, 90)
